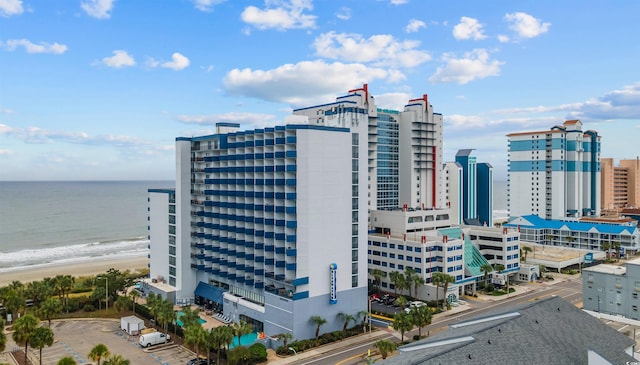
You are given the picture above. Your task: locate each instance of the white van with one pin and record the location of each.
(153, 338)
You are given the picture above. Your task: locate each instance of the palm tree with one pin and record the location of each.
(240, 329)
(24, 328)
(616, 246)
(49, 309)
(319, 321)
(167, 315)
(347, 318)
(412, 278)
(486, 269)
(3, 337)
(606, 246)
(402, 322)
(188, 316)
(421, 317)
(195, 335)
(396, 278)
(365, 315)
(134, 295)
(64, 284)
(227, 335)
(116, 359)
(377, 277)
(14, 302)
(385, 347)
(42, 336)
(401, 301)
(99, 352)
(285, 337)
(526, 250)
(67, 360)
(122, 303)
(436, 279)
(37, 291)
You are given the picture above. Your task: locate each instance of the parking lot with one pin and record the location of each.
(76, 338)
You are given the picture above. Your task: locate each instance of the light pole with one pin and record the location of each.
(294, 351)
(369, 315)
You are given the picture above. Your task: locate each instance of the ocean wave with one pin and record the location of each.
(10, 261)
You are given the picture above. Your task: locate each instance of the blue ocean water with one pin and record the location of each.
(72, 221)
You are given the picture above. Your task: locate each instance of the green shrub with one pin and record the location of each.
(89, 308)
(490, 288)
(258, 352)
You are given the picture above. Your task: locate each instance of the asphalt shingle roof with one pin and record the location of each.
(548, 331)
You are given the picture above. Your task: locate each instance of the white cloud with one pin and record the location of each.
(178, 62)
(468, 28)
(344, 13)
(399, 2)
(43, 47)
(394, 101)
(119, 59)
(208, 68)
(381, 49)
(6, 152)
(10, 7)
(37, 135)
(233, 117)
(474, 65)
(303, 83)
(280, 15)
(525, 25)
(206, 5)
(100, 9)
(5, 111)
(503, 38)
(414, 26)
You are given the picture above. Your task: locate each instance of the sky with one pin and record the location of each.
(100, 89)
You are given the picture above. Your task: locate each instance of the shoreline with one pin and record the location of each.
(92, 267)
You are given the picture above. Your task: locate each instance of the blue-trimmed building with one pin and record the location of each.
(269, 226)
(475, 192)
(583, 234)
(555, 173)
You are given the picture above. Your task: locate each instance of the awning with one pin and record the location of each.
(210, 292)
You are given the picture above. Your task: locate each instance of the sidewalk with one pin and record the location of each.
(331, 347)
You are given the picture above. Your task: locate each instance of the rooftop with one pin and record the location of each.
(547, 331)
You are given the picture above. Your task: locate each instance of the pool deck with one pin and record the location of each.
(211, 322)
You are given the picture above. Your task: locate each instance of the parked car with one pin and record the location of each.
(415, 304)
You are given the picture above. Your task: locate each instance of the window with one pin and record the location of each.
(172, 260)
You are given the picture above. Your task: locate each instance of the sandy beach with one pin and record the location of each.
(95, 266)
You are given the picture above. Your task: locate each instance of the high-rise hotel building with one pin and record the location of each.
(620, 184)
(555, 173)
(270, 225)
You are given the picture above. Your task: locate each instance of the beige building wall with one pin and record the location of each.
(620, 185)
(606, 174)
(633, 181)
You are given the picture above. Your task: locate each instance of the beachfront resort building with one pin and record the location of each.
(555, 173)
(270, 225)
(468, 189)
(620, 184)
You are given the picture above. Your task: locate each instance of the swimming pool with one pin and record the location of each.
(179, 322)
(245, 340)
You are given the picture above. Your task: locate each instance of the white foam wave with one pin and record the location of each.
(10, 261)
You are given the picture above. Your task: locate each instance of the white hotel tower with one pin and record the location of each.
(555, 173)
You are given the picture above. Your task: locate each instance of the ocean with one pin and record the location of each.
(48, 223)
(55, 222)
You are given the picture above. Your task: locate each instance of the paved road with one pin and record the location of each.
(570, 290)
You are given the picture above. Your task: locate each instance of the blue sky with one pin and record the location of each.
(100, 89)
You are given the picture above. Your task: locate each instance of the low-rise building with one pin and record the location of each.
(586, 234)
(612, 289)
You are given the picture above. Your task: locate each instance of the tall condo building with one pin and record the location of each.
(468, 189)
(555, 173)
(620, 184)
(270, 225)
